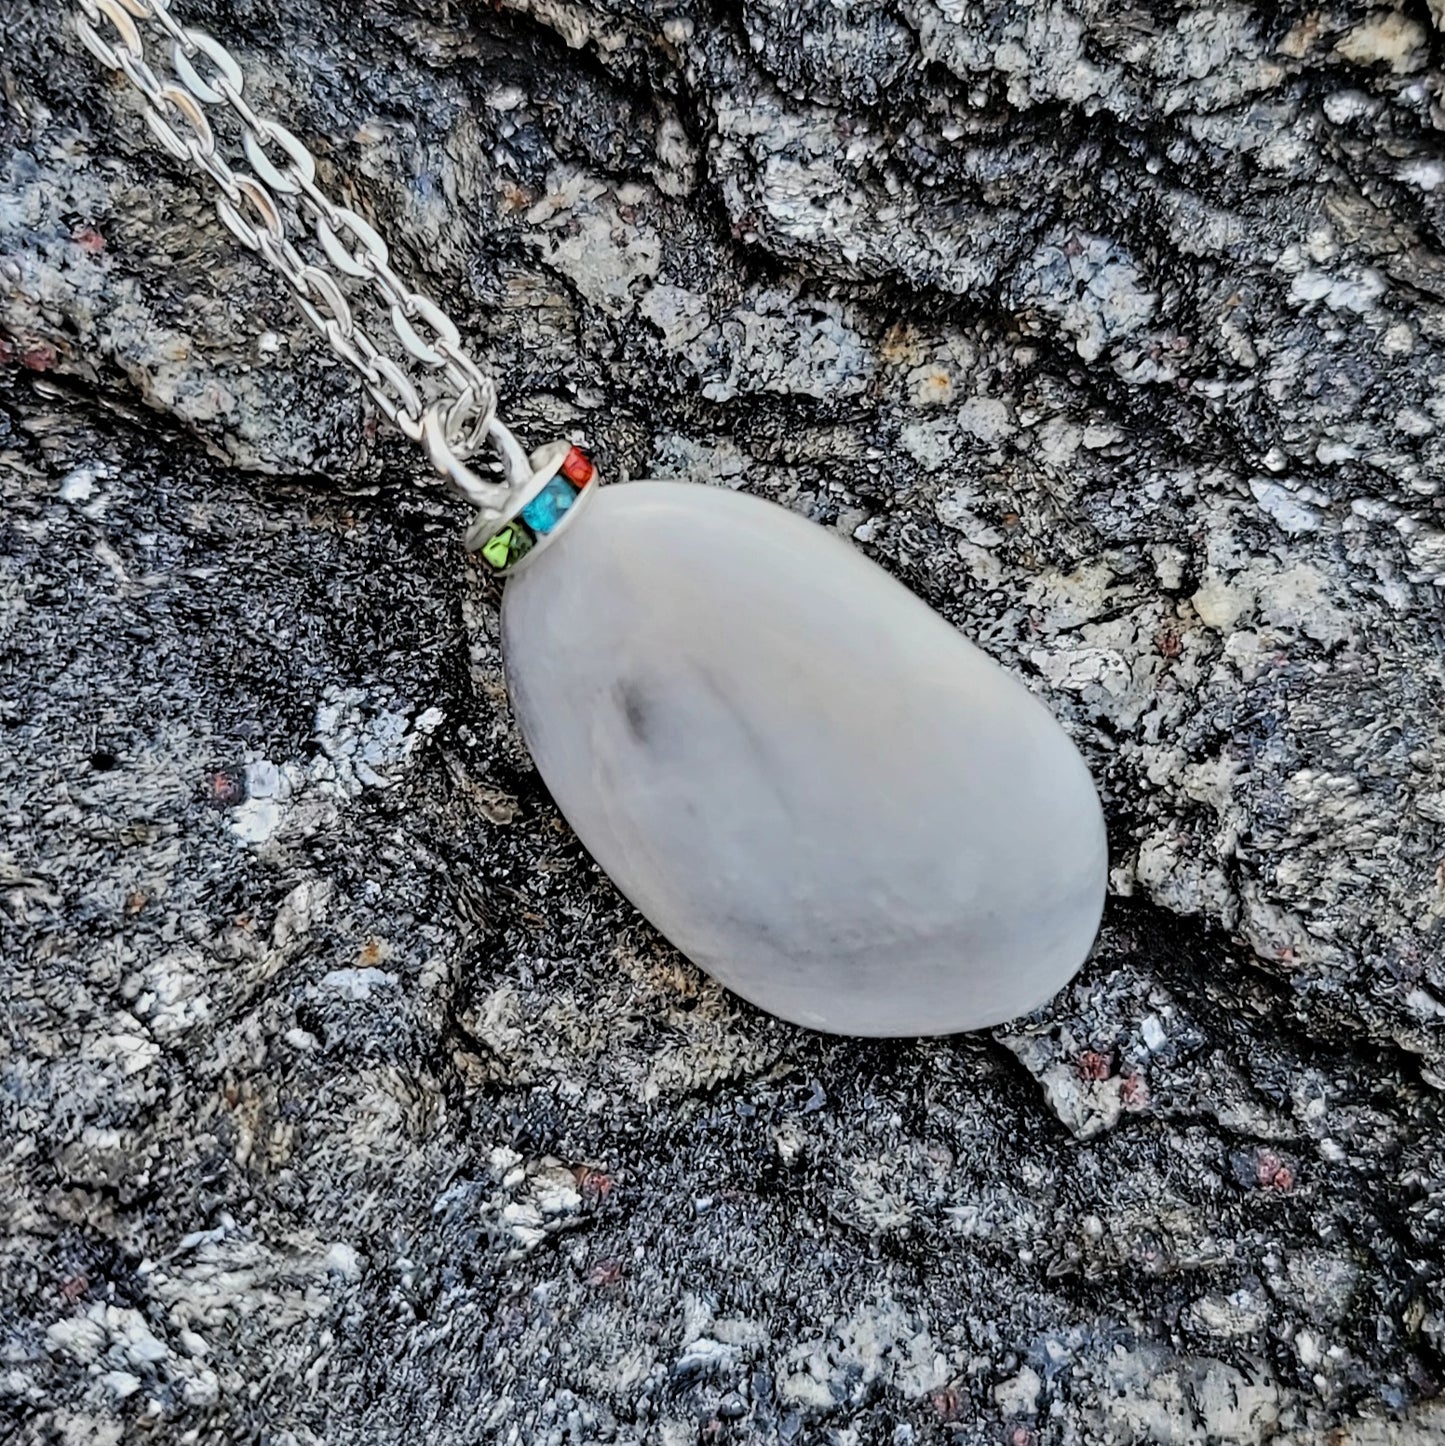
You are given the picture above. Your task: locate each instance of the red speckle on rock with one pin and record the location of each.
(947, 1403)
(40, 358)
(226, 788)
(594, 1184)
(1093, 1065)
(90, 240)
(74, 1288)
(1134, 1092)
(1022, 1436)
(1169, 643)
(605, 1272)
(1274, 1173)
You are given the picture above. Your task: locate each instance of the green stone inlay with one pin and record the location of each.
(509, 546)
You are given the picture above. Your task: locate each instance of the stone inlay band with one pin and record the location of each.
(561, 476)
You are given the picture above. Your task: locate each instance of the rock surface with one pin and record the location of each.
(341, 1097)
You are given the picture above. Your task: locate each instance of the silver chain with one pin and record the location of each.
(278, 204)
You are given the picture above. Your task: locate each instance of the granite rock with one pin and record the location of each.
(341, 1097)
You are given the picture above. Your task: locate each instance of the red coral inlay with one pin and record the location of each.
(577, 467)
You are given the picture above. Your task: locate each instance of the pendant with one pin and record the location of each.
(814, 787)
(800, 774)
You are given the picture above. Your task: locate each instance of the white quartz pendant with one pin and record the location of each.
(806, 779)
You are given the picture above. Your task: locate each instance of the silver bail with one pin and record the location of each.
(559, 479)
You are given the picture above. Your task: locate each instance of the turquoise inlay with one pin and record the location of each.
(550, 505)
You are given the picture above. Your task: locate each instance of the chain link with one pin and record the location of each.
(278, 204)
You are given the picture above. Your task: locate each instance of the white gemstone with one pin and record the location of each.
(805, 778)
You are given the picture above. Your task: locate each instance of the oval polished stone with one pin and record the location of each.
(806, 779)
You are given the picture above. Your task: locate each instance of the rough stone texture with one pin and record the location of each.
(344, 1101)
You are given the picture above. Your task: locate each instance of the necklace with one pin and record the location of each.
(798, 772)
